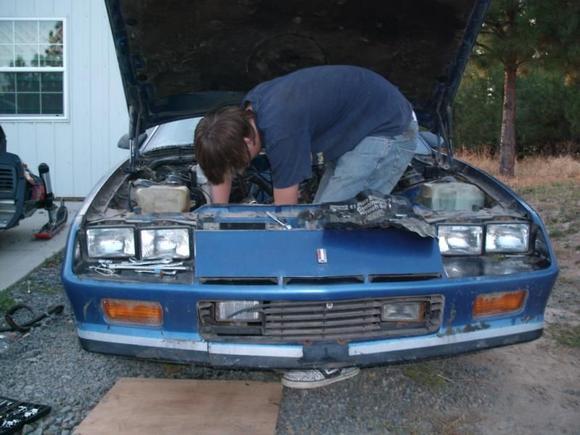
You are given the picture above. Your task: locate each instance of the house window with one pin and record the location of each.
(32, 68)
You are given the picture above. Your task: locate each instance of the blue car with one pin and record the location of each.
(452, 261)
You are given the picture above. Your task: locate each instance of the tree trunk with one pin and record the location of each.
(507, 142)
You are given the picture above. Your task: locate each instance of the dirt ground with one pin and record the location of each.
(537, 384)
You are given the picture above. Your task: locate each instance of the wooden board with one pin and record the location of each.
(167, 406)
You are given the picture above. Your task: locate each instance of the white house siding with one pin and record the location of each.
(82, 148)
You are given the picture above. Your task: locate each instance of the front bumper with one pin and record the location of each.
(179, 339)
(182, 350)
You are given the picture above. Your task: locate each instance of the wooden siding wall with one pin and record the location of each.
(81, 149)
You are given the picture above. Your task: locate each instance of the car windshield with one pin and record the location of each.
(176, 133)
(180, 133)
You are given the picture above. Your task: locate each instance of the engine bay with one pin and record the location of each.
(178, 186)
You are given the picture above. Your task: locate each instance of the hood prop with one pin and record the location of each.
(444, 129)
(134, 128)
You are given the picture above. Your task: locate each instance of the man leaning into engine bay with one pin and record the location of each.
(361, 123)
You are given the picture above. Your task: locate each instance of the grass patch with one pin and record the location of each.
(47, 289)
(530, 171)
(424, 374)
(54, 261)
(556, 232)
(6, 301)
(566, 335)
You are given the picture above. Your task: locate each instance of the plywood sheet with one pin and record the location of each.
(155, 406)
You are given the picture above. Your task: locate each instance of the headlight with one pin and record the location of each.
(234, 311)
(507, 238)
(460, 239)
(111, 242)
(403, 311)
(172, 243)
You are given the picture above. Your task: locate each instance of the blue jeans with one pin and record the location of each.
(376, 163)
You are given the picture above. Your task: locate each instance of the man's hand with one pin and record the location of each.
(220, 193)
(286, 196)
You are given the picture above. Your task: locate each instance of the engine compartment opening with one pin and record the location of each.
(179, 186)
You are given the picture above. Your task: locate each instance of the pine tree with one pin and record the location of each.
(510, 36)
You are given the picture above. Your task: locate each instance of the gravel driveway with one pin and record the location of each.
(454, 395)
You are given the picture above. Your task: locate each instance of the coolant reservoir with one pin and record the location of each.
(451, 196)
(162, 198)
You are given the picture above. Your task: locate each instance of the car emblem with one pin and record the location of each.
(329, 305)
(321, 256)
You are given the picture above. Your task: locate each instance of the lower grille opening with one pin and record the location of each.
(315, 321)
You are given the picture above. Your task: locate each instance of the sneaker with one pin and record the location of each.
(315, 378)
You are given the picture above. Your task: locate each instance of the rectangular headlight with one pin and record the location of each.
(236, 311)
(110, 242)
(460, 239)
(507, 238)
(403, 311)
(170, 243)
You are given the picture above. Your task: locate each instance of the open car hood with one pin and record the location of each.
(181, 58)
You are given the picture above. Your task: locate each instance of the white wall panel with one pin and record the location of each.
(80, 95)
(97, 86)
(27, 138)
(8, 7)
(82, 148)
(24, 6)
(44, 8)
(44, 143)
(62, 168)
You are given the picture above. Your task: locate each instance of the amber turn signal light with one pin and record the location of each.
(492, 304)
(132, 312)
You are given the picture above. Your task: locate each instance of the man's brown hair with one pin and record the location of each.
(219, 142)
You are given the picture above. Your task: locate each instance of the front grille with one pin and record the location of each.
(316, 280)
(240, 281)
(7, 176)
(312, 321)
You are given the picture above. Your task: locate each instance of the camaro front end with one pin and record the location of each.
(452, 261)
(270, 286)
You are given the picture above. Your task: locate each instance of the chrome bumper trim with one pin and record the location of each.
(440, 340)
(296, 351)
(166, 343)
(282, 351)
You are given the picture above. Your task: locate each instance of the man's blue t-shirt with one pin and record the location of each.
(327, 109)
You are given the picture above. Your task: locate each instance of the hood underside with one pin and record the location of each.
(181, 58)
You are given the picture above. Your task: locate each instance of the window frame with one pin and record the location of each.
(63, 70)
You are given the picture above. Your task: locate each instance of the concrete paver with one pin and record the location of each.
(20, 252)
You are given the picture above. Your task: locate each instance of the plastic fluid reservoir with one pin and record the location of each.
(162, 198)
(451, 196)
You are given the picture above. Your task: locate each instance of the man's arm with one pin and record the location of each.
(220, 193)
(286, 196)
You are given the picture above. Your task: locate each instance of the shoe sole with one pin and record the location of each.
(317, 384)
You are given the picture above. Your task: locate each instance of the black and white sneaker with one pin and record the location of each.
(316, 378)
